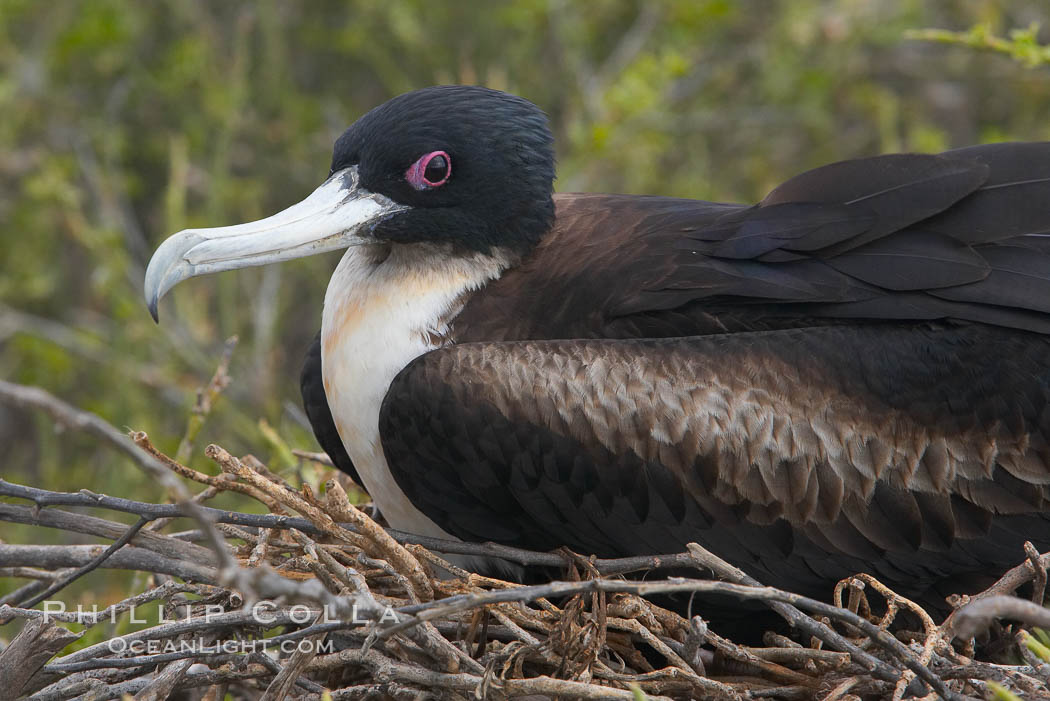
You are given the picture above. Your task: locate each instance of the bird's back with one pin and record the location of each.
(963, 236)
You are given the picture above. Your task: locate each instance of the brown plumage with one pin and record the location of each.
(803, 455)
(854, 378)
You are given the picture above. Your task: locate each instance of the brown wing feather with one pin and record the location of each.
(880, 448)
(959, 236)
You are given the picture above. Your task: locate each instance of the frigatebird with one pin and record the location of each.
(852, 375)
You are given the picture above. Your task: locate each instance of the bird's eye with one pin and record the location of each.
(431, 170)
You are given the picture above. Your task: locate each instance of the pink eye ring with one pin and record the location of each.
(431, 170)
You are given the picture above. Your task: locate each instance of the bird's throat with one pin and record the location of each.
(386, 306)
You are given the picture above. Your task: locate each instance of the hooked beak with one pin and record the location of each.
(336, 215)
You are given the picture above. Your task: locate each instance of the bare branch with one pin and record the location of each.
(71, 417)
(81, 571)
(206, 397)
(42, 497)
(792, 615)
(408, 631)
(38, 641)
(91, 525)
(385, 669)
(127, 558)
(1038, 573)
(978, 615)
(285, 678)
(428, 611)
(319, 458)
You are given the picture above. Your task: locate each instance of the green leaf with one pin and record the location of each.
(1042, 635)
(1002, 693)
(1038, 649)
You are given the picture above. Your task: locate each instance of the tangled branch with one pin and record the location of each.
(316, 597)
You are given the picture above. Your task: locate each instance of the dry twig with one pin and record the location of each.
(355, 609)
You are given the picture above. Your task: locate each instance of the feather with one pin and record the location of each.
(315, 403)
(1012, 202)
(796, 226)
(1008, 162)
(938, 521)
(1019, 278)
(901, 189)
(892, 520)
(913, 260)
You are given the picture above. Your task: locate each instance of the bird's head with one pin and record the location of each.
(465, 166)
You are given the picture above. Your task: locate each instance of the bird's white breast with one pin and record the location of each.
(380, 313)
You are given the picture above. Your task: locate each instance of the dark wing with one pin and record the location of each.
(915, 452)
(964, 235)
(315, 402)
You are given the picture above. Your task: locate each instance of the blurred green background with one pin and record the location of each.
(123, 122)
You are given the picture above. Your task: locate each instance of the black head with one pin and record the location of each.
(468, 167)
(475, 166)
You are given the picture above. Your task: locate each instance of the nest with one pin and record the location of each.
(316, 600)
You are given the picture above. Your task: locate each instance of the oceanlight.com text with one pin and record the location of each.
(120, 646)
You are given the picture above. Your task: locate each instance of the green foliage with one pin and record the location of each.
(1042, 636)
(127, 121)
(1022, 45)
(1001, 693)
(1037, 647)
